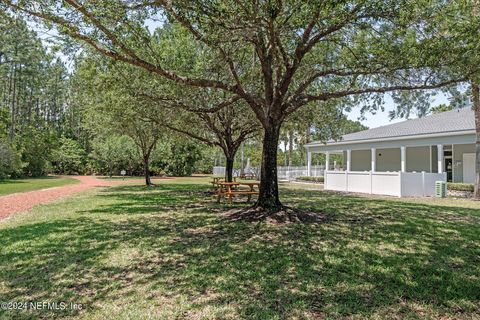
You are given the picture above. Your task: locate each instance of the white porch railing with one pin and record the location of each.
(284, 173)
(291, 173)
(399, 184)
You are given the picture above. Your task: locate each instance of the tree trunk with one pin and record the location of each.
(12, 106)
(229, 168)
(268, 199)
(476, 108)
(146, 168)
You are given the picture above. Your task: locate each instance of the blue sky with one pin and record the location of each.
(381, 118)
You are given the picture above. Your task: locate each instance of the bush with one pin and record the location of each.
(10, 164)
(176, 159)
(112, 154)
(69, 157)
(311, 179)
(157, 171)
(454, 186)
(35, 148)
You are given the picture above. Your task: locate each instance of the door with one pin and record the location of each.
(469, 167)
(448, 168)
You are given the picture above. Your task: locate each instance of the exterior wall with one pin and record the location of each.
(388, 159)
(458, 151)
(418, 159)
(361, 160)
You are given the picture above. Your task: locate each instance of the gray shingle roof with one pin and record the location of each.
(445, 122)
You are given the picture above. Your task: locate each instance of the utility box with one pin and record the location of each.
(440, 189)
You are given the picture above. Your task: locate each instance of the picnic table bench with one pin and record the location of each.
(248, 176)
(231, 189)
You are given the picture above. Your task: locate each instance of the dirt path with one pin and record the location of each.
(17, 202)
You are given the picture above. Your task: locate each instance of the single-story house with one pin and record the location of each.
(405, 158)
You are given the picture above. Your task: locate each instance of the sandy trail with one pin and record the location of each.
(18, 202)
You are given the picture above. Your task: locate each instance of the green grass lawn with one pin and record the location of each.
(131, 252)
(23, 185)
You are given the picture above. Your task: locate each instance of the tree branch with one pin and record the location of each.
(340, 94)
(74, 32)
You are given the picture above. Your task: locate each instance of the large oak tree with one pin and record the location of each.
(277, 56)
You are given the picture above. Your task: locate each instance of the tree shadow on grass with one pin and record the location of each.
(370, 258)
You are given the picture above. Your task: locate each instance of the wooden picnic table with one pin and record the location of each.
(228, 189)
(252, 185)
(216, 180)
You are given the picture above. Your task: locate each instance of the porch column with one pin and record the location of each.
(374, 160)
(309, 163)
(403, 158)
(349, 160)
(440, 157)
(430, 155)
(327, 160)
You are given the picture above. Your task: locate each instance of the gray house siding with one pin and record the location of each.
(459, 150)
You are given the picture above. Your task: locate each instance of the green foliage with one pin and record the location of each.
(311, 179)
(111, 154)
(441, 108)
(184, 158)
(207, 158)
(455, 186)
(34, 82)
(176, 158)
(69, 157)
(35, 146)
(10, 164)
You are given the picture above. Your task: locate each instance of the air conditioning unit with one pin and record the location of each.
(440, 189)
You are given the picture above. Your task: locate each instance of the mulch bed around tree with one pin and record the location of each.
(287, 215)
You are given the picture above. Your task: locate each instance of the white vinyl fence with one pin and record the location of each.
(284, 173)
(219, 171)
(399, 184)
(291, 173)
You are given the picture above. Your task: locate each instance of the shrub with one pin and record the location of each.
(176, 159)
(158, 171)
(311, 179)
(454, 186)
(10, 164)
(34, 147)
(112, 154)
(69, 157)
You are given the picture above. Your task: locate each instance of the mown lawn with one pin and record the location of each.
(168, 253)
(22, 185)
